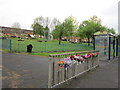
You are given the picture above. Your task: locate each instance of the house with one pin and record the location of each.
(74, 39)
(14, 31)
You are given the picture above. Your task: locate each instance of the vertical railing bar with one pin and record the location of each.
(10, 46)
(49, 75)
(53, 69)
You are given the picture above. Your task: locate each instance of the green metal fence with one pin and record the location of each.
(18, 46)
(6, 44)
(51, 47)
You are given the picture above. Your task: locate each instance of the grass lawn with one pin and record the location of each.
(47, 54)
(21, 46)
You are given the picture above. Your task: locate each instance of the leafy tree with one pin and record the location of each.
(111, 30)
(70, 26)
(38, 29)
(66, 29)
(58, 32)
(118, 36)
(88, 27)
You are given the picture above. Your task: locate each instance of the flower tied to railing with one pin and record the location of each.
(67, 62)
(95, 54)
(60, 64)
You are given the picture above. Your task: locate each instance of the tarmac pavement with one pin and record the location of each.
(105, 76)
(24, 71)
(28, 71)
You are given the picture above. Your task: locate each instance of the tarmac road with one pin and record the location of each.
(24, 71)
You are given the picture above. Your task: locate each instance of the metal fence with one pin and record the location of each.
(49, 47)
(18, 46)
(60, 73)
(6, 44)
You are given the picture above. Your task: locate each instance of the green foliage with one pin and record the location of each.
(58, 32)
(111, 30)
(38, 29)
(88, 27)
(65, 29)
(70, 26)
(118, 36)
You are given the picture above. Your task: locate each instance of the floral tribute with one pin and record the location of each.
(67, 62)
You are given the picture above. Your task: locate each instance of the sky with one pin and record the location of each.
(25, 11)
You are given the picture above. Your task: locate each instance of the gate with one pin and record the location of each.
(61, 72)
(5, 44)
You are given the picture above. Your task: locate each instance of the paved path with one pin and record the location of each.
(105, 76)
(24, 71)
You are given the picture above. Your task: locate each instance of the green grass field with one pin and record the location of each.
(49, 46)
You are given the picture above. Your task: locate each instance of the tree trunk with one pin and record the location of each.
(59, 40)
(88, 41)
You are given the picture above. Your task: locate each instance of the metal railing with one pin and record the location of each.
(48, 47)
(59, 76)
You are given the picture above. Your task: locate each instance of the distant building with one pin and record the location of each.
(75, 39)
(14, 31)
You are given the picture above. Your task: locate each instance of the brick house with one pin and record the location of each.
(14, 31)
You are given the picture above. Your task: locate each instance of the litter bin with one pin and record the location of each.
(29, 48)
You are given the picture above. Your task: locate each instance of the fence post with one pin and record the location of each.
(109, 49)
(45, 47)
(93, 42)
(10, 46)
(63, 47)
(50, 73)
(116, 47)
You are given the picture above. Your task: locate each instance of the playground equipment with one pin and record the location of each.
(107, 44)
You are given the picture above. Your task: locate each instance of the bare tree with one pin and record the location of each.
(16, 25)
(54, 23)
(39, 20)
(47, 23)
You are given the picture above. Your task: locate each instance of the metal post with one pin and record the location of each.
(50, 73)
(93, 42)
(109, 49)
(45, 48)
(117, 47)
(63, 47)
(114, 48)
(10, 46)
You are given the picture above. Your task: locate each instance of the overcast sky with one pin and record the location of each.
(25, 11)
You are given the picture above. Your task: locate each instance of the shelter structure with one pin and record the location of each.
(107, 44)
